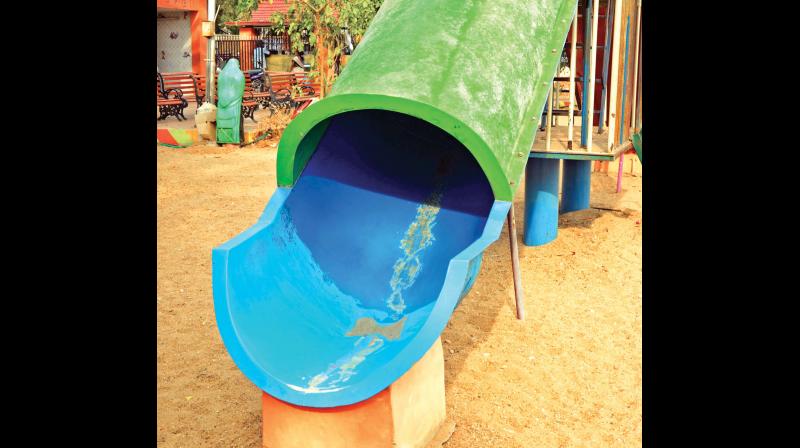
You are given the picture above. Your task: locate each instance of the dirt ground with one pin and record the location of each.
(570, 375)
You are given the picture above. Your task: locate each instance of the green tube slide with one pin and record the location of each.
(389, 191)
(478, 69)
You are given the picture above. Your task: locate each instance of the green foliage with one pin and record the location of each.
(321, 24)
(233, 10)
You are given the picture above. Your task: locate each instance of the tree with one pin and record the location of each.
(322, 23)
(234, 10)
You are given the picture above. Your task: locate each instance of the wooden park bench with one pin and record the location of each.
(186, 82)
(302, 86)
(170, 101)
(306, 86)
(306, 89)
(279, 87)
(279, 91)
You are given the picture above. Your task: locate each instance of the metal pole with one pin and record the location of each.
(639, 109)
(636, 63)
(586, 39)
(591, 74)
(612, 95)
(572, 58)
(212, 59)
(606, 52)
(512, 237)
(549, 117)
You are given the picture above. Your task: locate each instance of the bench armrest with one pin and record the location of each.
(282, 94)
(176, 94)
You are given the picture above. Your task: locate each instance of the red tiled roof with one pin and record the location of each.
(266, 10)
(261, 16)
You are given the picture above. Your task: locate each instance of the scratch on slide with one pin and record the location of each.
(418, 237)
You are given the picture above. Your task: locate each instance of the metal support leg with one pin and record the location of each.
(512, 237)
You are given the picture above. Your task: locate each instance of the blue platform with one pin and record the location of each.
(349, 277)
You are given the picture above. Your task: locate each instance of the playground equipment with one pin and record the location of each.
(389, 190)
(619, 117)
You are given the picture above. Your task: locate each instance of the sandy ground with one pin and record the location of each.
(570, 375)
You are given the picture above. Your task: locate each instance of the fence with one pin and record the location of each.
(248, 52)
(232, 45)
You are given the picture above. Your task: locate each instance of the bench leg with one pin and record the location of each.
(166, 111)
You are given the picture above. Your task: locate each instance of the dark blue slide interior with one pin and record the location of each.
(340, 282)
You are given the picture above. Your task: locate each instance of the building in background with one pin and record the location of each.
(257, 26)
(181, 46)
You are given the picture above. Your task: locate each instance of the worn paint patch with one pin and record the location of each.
(367, 326)
(417, 238)
(344, 368)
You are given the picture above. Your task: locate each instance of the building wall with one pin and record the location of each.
(174, 42)
(196, 12)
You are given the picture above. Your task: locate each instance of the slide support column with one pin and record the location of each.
(541, 201)
(576, 185)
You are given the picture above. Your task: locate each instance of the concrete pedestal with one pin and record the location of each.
(205, 120)
(541, 201)
(407, 414)
(575, 186)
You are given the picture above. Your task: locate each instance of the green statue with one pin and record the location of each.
(230, 88)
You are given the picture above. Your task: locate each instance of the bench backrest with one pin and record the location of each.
(278, 81)
(201, 84)
(289, 80)
(185, 81)
(309, 79)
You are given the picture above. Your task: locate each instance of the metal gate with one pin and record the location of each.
(251, 53)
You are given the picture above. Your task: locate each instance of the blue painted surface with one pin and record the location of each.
(387, 222)
(541, 201)
(624, 80)
(606, 53)
(587, 38)
(576, 185)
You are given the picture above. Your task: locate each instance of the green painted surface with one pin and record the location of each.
(170, 146)
(230, 88)
(637, 144)
(183, 137)
(480, 70)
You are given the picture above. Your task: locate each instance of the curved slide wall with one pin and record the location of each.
(389, 191)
